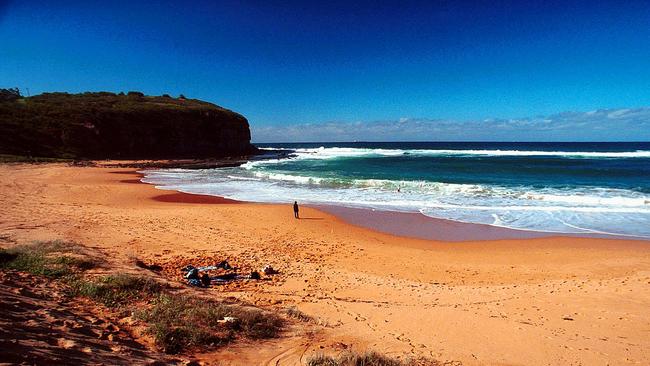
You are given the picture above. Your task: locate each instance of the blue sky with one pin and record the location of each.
(292, 65)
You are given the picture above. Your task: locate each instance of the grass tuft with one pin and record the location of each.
(179, 322)
(322, 360)
(365, 359)
(297, 314)
(116, 290)
(46, 258)
(176, 321)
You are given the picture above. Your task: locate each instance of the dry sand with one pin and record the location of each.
(542, 301)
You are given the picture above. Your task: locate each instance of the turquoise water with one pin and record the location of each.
(556, 187)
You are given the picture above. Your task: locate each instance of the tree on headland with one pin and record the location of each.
(9, 94)
(135, 94)
(181, 97)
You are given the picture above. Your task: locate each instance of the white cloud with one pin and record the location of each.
(599, 125)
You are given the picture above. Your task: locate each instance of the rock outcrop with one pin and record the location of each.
(118, 126)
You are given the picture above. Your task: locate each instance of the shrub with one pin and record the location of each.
(106, 125)
(322, 360)
(178, 322)
(366, 359)
(116, 290)
(10, 94)
(297, 314)
(46, 258)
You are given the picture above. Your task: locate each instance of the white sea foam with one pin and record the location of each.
(347, 152)
(570, 210)
(327, 153)
(568, 154)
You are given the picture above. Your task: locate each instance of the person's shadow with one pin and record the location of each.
(310, 218)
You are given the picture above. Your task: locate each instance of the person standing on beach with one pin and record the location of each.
(295, 209)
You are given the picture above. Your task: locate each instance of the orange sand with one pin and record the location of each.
(550, 301)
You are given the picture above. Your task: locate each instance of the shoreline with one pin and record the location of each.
(403, 224)
(538, 301)
(419, 226)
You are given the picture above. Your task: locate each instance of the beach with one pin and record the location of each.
(519, 301)
(585, 189)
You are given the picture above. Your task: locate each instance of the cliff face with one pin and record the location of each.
(133, 126)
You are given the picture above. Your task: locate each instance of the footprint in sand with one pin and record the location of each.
(66, 343)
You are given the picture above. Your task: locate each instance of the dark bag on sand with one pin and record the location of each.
(225, 265)
(194, 282)
(193, 274)
(205, 280)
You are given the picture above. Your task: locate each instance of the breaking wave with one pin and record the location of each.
(348, 152)
(576, 210)
(556, 187)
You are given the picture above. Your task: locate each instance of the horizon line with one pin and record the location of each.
(451, 141)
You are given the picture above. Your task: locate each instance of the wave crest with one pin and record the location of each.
(323, 153)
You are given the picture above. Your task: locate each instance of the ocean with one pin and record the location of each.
(583, 188)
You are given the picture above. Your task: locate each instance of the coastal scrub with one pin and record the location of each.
(180, 321)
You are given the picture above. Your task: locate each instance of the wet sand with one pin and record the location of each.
(419, 226)
(536, 301)
(180, 197)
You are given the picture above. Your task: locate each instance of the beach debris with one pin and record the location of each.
(269, 270)
(192, 274)
(187, 268)
(205, 280)
(228, 319)
(195, 278)
(225, 265)
(194, 282)
(226, 277)
(221, 265)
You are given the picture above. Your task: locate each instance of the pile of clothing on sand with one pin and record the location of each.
(194, 276)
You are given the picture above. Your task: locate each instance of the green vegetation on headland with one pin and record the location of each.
(106, 125)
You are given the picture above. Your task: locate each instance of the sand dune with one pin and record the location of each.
(554, 300)
(42, 326)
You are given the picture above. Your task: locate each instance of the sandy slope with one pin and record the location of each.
(39, 325)
(558, 301)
